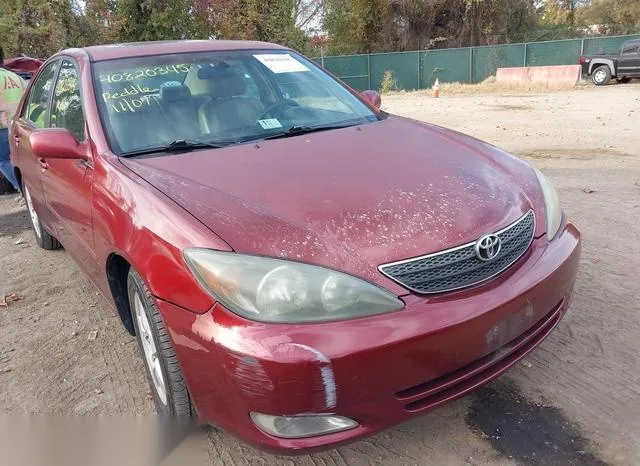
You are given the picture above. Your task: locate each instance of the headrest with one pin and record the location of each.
(173, 91)
(223, 80)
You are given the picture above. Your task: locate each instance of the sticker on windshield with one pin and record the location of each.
(270, 123)
(281, 63)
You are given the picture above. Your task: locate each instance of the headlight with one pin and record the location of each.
(551, 205)
(273, 290)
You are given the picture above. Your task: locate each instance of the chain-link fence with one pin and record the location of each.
(418, 70)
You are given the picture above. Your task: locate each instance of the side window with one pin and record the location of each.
(66, 109)
(36, 110)
(630, 50)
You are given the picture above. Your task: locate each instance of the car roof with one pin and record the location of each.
(137, 49)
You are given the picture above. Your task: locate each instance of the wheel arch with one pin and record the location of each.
(117, 268)
(18, 174)
(596, 62)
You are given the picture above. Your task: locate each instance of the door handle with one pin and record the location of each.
(43, 164)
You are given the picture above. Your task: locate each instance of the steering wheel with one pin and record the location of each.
(280, 105)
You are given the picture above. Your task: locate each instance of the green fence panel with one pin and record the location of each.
(486, 60)
(414, 70)
(352, 69)
(405, 67)
(448, 65)
(595, 45)
(562, 52)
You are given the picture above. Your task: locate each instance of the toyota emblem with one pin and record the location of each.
(488, 247)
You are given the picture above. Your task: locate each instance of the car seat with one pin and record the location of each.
(180, 109)
(228, 109)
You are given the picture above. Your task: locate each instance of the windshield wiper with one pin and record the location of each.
(179, 145)
(298, 130)
(295, 130)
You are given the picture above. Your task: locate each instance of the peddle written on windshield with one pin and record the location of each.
(130, 99)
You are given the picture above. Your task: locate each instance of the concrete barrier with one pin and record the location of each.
(553, 76)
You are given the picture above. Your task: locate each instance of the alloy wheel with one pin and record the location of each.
(32, 213)
(149, 349)
(600, 76)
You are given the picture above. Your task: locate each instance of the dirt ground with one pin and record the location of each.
(574, 400)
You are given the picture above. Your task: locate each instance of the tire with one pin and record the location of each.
(601, 75)
(170, 393)
(623, 80)
(5, 186)
(44, 239)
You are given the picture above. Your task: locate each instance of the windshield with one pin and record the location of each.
(218, 97)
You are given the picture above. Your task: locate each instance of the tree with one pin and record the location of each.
(424, 23)
(37, 27)
(511, 21)
(558, 12)
(306, 13)
(264, 20)
(142, 20)
(209, 15)
(102, 20)
(613, 16)
(42, 27)
(476, 12)
(357, 25)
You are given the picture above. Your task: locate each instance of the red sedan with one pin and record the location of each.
(300, 268)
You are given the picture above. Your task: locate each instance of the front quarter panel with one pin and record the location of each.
(139, 223)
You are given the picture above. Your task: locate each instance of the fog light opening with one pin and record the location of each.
(303, 425)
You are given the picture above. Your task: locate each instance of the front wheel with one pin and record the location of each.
(601, 76)
(163, 370)
(44, 239)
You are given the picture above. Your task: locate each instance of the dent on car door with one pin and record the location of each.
(34, 115)
(67, 184)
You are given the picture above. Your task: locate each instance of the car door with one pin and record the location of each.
(629, 61)
(67, 184)
(34, 115)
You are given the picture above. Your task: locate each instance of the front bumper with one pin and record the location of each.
(378, 370)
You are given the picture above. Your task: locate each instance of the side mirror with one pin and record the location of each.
(56, 143)
(372, 98)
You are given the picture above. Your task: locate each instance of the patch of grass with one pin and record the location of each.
(490, 86)
(389, 83)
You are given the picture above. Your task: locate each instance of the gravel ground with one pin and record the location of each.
(575, 400)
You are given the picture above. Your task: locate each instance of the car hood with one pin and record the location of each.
(350, 199)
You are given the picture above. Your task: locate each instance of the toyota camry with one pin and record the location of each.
(300, 268)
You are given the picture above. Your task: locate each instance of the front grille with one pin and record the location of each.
(459, 267)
